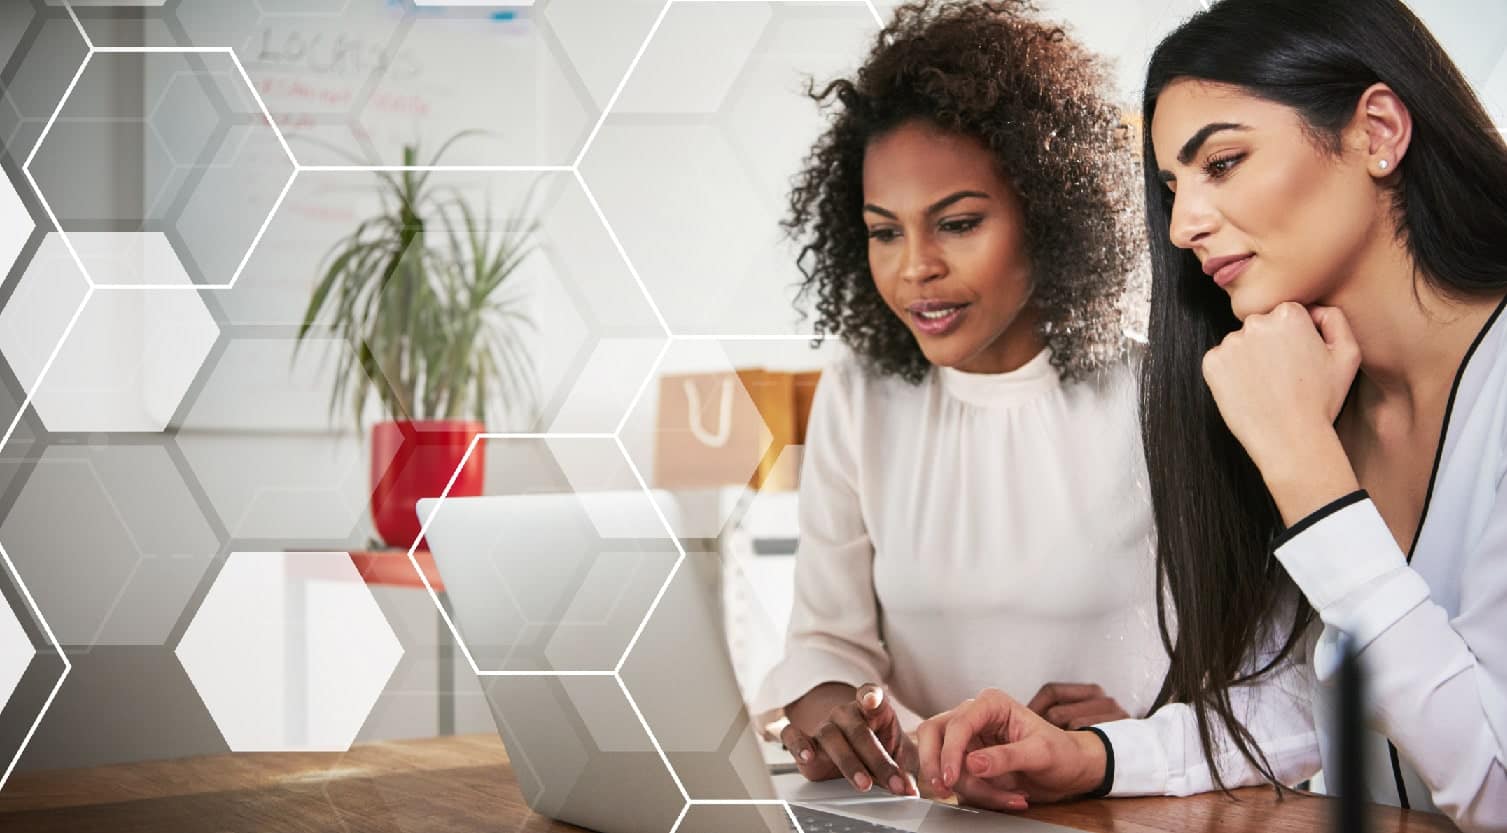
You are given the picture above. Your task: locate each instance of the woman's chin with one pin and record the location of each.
(1248, 299)
(943, 352)
(1244, 303)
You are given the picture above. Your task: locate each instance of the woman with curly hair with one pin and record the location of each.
(973, 507)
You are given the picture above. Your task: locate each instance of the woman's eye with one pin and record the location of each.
(883, 235)
(1218, 166)
(960, 226)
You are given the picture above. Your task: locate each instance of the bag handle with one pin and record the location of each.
(724, 418)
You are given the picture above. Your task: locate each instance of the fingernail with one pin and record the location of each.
(897, 785)
(806, 756)
(977, 762)
(862, 782)
(871, 700)
(948, 777)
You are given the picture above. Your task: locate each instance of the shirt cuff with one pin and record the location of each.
(1319, 514)
(1345, 550)
(1108, 781)
(801, 670)
(1140, 766)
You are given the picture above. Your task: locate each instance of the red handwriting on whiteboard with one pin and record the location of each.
(335, 53)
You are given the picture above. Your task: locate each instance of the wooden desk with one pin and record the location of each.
(464, 784)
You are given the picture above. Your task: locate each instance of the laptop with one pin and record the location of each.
(548, 593)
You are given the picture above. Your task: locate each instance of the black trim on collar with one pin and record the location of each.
(1428, 498)
(1449, 409)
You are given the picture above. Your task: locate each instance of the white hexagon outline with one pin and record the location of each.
(13, 667)
(130, 535)
(36, 612)
(26, 403)
(151, 117)
(445, 493)
(664, 586)
(194, 618)
(575, 168)
(68, 330)
(233, 526)
(179, 50)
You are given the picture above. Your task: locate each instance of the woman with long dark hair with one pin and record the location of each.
(1324, 409)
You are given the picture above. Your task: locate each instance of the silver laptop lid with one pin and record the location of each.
(548, 593)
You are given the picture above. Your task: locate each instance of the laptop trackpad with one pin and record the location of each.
(931, 817)
(914, 814)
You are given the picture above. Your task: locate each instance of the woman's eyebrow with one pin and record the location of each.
(952, 198)
(934, 207)
(1190, 148)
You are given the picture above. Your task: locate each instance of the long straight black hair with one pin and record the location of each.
(1237, 613)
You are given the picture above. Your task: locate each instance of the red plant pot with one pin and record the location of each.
(413, 459)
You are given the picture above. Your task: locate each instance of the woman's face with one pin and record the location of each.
(1272, 216)
(947, 248)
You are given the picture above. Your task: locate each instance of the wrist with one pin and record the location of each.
(1308, 477)
(1282, 450)
(812, 708)
(1094, 775)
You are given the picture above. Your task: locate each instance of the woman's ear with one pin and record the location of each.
(1387, 127)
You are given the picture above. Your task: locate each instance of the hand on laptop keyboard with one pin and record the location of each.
(859, 739)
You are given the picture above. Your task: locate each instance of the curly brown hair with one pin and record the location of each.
(993, 71)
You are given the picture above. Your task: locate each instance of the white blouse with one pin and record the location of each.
(974, 530)
(1432, 636)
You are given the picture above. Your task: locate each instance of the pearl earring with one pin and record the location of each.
(1382, 164)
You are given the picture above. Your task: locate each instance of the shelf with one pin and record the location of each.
(392, 568)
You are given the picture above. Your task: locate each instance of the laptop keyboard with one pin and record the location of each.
(817, 821)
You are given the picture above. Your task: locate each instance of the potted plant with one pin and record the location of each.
(419, 292)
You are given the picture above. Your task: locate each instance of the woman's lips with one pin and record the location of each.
(936, 319)
(1228, 269)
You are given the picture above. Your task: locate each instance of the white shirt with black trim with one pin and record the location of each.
(1431, 632)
